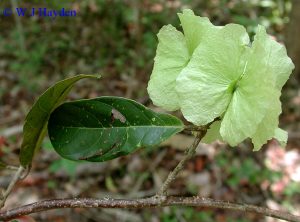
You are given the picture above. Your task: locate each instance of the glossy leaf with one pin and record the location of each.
(104, 128)
(35, 126)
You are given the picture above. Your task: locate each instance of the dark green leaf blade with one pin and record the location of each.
(36, 120)
(105, 128)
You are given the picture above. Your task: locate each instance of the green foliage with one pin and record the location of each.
(36, 120)
(191, 214)
(129, 30)
(293, 188)
(110, 185)
(51, 184)
(68, 166)
(104, 128)
(224, 76)
(188, 213)
(28, 63)
(247, 171)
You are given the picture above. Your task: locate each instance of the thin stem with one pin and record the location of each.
(194, 128)
(11, 185)
(190, 152)
(159, 200)
(141, 203)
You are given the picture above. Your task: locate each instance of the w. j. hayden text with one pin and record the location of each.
(45, 12)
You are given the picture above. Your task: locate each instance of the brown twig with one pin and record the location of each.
(192, 128)
(11, 185)
(159, 200)
(141, 203)
(190, 152)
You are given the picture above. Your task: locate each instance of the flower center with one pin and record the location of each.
(234, 85)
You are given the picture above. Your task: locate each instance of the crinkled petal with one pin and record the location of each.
(251, 101)
(275, 56)
(275, 60)
(204, 86)
(266, 129)
(171, 57)
(194, 27)
(281, 136)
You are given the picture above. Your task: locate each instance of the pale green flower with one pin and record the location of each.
(214, 72)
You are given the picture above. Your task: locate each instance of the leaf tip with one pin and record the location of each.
(95, 75)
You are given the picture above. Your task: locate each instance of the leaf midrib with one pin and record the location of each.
(121, 127)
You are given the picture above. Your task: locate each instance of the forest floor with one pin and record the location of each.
(270, 177)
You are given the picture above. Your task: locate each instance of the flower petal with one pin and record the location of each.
(275, 56)
(251, 100)
(194, 27)
(266, 128)
(173, 54)
(213, 133)
(281, 136)
(171, 57)
(205, 85)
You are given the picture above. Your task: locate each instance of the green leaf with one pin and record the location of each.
(206, 85)
(36, 120)
(107, 127)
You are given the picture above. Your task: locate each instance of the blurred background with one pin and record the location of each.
(118, 39)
